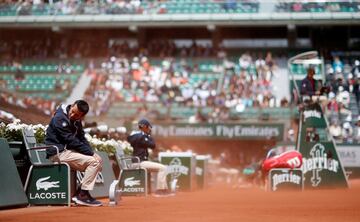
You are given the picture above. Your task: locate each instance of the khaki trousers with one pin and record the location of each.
(83, 163)
(161, 182)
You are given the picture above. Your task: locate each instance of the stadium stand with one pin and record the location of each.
(318, 6)
(64, 7)
(191, 90)
(38, 8)
(36, 84)
(10, 8)
(182, 87)
(343, 106)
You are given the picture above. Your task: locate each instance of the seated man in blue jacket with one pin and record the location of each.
(310, 86)
(66, 132)
(141, 141)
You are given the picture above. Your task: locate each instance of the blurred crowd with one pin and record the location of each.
(98, 95)
(343, 100)
(73, 48)
(49, 48)
(111, 7)
(71, 7)
(318, 6)
(232, 84)
(119, 7)
(161, 48)
(131, 75)
(40, 104)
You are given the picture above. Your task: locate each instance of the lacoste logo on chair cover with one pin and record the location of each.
(130, 182)
(43, 184)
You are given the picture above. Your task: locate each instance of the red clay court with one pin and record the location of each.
(218, 203)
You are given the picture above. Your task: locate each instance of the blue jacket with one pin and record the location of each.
(307, 88)
(62, 133)
(141, 142)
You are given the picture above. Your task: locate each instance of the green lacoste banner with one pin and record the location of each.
(285, 179)
(133, 182)
(220, 131)
(322, 167)
(49, 185)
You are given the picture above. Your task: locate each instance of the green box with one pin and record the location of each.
(11, 189)
(202, 171)
(133, 182)
(49, 185)
(180, 166)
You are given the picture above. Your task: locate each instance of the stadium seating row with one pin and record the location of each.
(174, 7)
(41, 68)
(38, 82)
(171, 7)
(300, 69)
(203, 65)
(126, 110)
(320, 6)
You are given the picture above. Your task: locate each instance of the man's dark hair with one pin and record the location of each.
(311, 69)
(82, 105)
(144, 122)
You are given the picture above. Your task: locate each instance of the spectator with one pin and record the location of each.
(336, 131)
(356, 69)
(245, 61)
(270, 63)
(333, 107)
(309, 85)
(343, 110)
(347, 132)
(343, 97)
(290, 137)
(284, 102)
(357, 130)
(337, 64)
(198, 117)
(356, 91)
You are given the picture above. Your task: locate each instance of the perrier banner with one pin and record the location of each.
(285, 179)
(322, 167)
(181, 166)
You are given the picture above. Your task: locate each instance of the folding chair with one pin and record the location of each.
(132, 181)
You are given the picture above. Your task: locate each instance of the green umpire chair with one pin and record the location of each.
(47, 183)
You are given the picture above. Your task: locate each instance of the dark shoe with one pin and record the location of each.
(163, 193)
(77, 192)
(84, 198)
